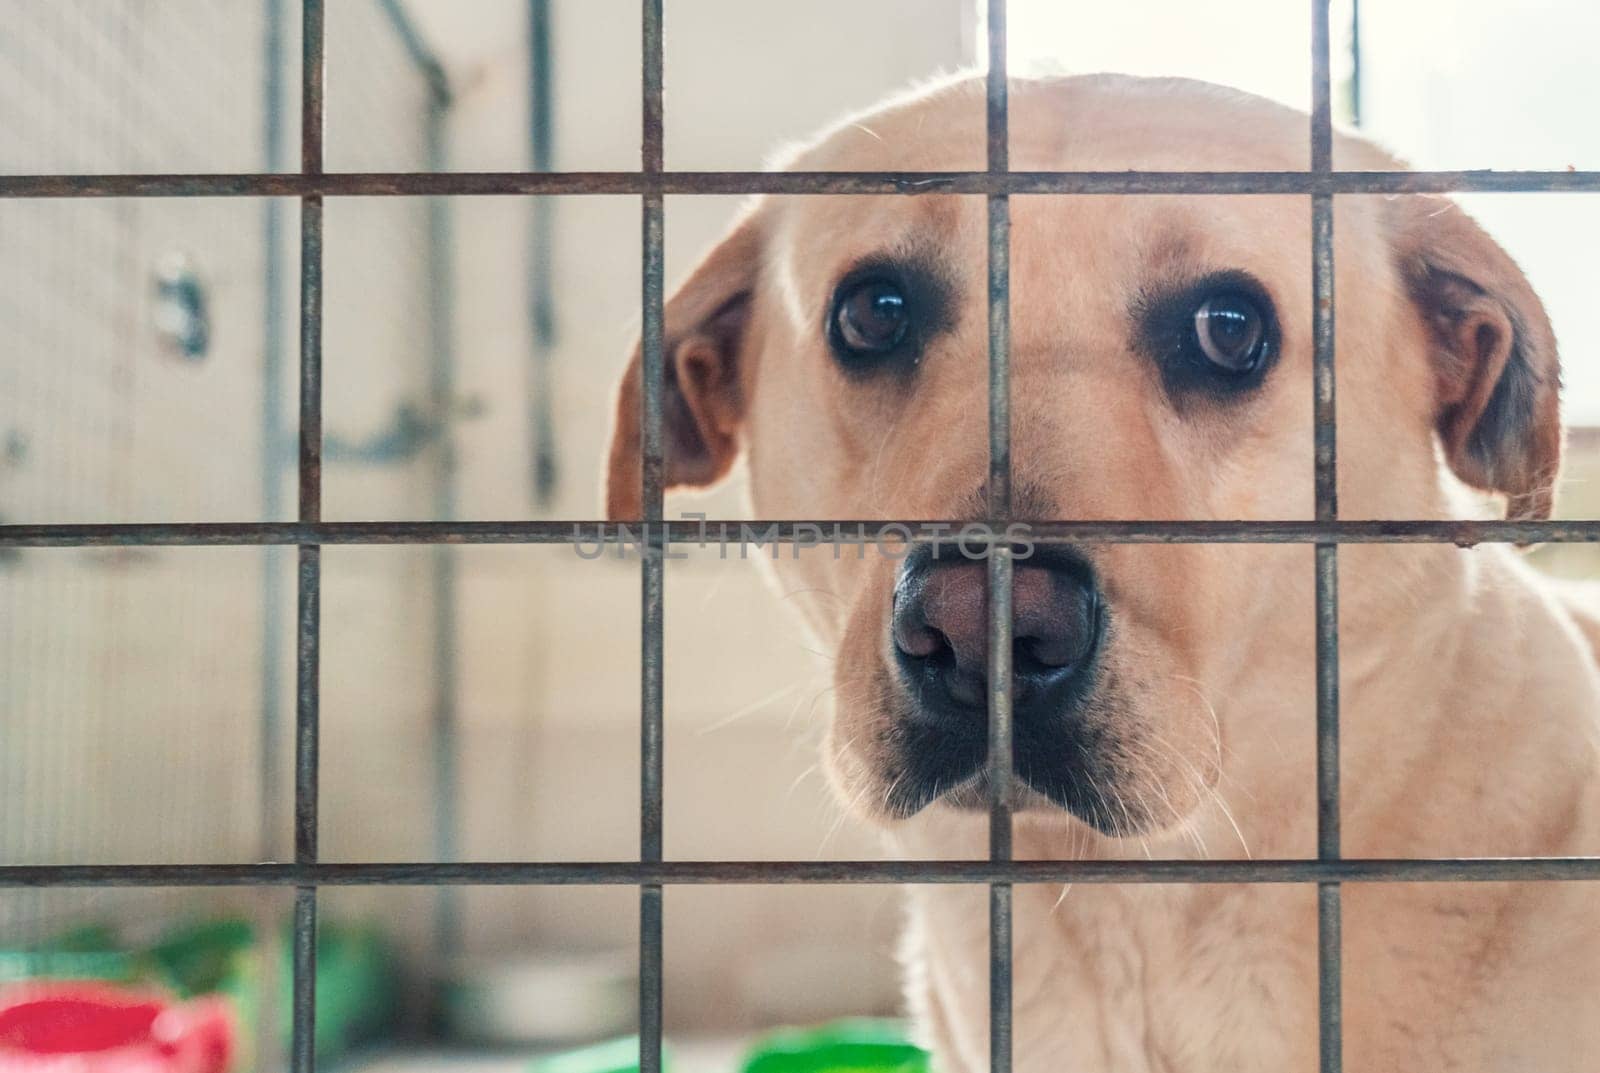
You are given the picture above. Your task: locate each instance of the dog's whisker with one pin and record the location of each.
(800, 778)
(810, 590)
(1222, 806)
(748, 710)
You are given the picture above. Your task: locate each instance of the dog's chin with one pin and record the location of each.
(1069, 773)
(1071, 802)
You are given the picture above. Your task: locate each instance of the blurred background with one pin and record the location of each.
(482, 703)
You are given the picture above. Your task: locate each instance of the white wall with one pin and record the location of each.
(551, 649)
(140, 696)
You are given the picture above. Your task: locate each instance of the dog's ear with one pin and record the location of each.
(704, 330)
(1497, 376)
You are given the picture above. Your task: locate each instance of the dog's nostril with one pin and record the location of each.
(1045, 653)
(941, 613)
(918, 640)
(1057, 632)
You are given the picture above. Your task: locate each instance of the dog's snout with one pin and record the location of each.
(940, 628)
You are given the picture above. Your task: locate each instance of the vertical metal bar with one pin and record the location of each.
(303, 1056)
(652, 468)
(307, 701)
(311, 86)
(1001, 950)
(310, 449)
(1000, 557)
(1329, 952)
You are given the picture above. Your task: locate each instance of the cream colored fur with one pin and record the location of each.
(1470, 692)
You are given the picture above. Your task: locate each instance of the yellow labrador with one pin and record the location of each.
(1161, 357)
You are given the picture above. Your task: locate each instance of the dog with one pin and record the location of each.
(1161, 369)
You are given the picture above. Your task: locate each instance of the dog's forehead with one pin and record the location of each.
(1081, 123)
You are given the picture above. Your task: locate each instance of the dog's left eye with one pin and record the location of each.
(871, 319)
(884, 314)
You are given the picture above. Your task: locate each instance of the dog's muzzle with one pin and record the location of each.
(940, 641)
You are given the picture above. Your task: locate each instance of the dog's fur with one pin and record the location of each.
(1469, 684)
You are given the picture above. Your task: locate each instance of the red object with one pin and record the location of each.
(101, 1028)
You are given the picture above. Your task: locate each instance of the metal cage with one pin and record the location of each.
(650, 873)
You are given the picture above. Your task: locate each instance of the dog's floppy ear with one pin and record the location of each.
(1496, 372)
(705, 324)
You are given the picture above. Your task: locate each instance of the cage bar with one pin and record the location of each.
(469, 184)
(652, 565)
(592, 536)
(1326, 486)
(1000, 565)
(303, 1052)
(690, 873)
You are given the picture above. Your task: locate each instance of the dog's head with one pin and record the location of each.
(1161, 368)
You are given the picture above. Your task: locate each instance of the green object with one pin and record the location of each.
(87, 953)
(857, 1045)
(88, 939)
(358, 994)
(613, 1056)
(357, 983)
(206, 958)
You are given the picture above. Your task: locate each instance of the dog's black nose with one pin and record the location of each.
(941, 632)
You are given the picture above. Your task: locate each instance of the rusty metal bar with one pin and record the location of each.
(873, 872)
(653, 562)
(1326, 486)
(595, 539)
(310, 453)
(303, 1054)
(1000, 568)
(469, 184)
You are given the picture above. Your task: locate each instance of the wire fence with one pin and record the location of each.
(653, 536)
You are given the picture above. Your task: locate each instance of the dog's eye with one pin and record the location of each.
(1215, 336)
(871, 318)
(1231, 332)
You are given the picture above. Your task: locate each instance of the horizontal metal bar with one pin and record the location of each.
(757, 536)
(635, 873)
(436, 184)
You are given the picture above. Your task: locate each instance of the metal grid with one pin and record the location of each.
(650, 873)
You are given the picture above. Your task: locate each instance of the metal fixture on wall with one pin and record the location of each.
(181, 314)
(541, 239)
(411, 431)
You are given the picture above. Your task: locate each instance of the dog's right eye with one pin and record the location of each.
(871, 320)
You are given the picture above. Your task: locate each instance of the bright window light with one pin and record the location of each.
(1263, 46)
(1487, 84)
(1446, 84)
